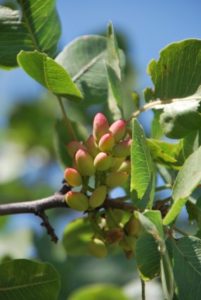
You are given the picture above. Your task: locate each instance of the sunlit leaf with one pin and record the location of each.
(48, 73)
(35, 26)
(187, 179)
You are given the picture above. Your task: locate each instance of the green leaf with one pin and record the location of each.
(37, 28)
(187, 267)
(98, 292)
(152, 223)
(186, 181)
(142, 169)
(172, 77)
(28, 280)
(167, 276)
(114, 93)
(113, 51)
(156, 129)
(182, 116)
(48, 73)
(191, 142)
(147, 256)
(77, 236)
(84, 59)
(165, 153)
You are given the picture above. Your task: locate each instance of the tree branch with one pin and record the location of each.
(39, 206)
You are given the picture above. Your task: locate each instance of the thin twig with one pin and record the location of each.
(148, 106)
(143, 289)
(48, 226)
(66, 120)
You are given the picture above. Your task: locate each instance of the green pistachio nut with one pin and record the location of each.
(91, 146)
(116, 163)
(133, 227)
(122, 149)
(84, 163)
(77, 200)
(125, 166)
(116, 179)
(106, 142)
(102, 161)
(72, 177)
(118, 129)
(98, 196)
(98, 248)
(100, 126)
(73, 147)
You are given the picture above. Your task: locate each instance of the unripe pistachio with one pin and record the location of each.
(97, 248)
(102, 161)
(73, 147)
(116, 163)
(118, 129)
(84, 162)
(125, 166)
(77, 200)
(98, 196)
(133, 227)
(100, 126)
(122, 149)
(106, 142)
(114, 235)
(116, 179)
(72, 177)
(91, 146)
(128, 243)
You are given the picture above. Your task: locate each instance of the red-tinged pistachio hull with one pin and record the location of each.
(100, 126)
(118, 129)
(84, 163)
(73, 177)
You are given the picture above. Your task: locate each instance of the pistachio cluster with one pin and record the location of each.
(101, 163)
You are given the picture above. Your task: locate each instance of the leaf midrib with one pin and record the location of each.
(26, 285)
(88, 66)
(28, 26)
(186, 259)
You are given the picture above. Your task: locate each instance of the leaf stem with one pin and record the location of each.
(66, 120)
(143, 289)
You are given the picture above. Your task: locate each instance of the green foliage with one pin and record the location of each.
(187, 179)
(48, 73)
(142, 169)
(99, 292)
(25, 279)
(172, 77)
(187, 267)
(38, 28)
(77, 236)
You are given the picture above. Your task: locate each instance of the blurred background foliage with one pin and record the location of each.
(29, 163)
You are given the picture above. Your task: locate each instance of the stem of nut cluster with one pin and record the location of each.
(143, 289)
(66, 120)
